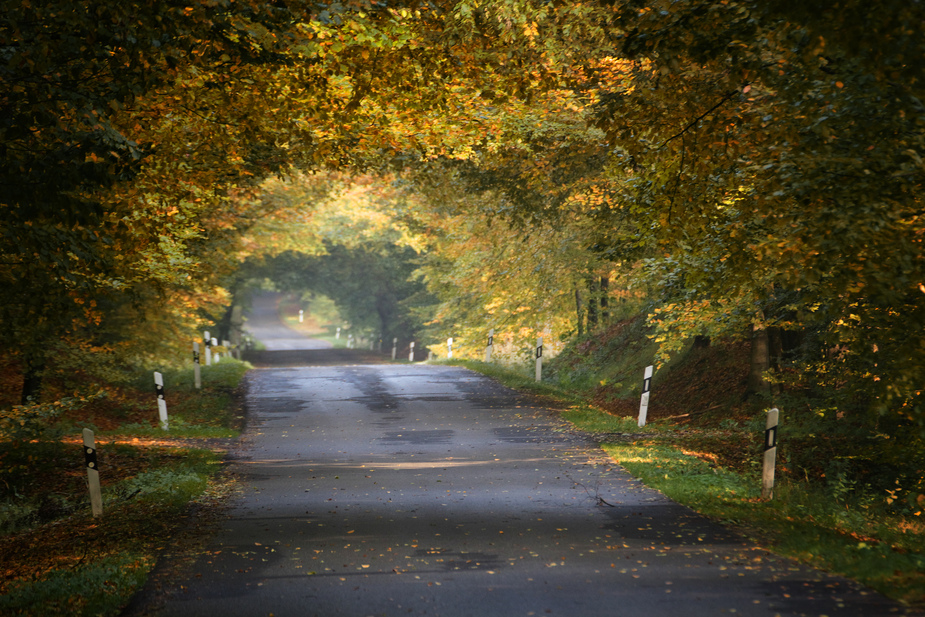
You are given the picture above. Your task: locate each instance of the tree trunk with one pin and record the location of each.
(605, 313)
(760, 362)
(33, 370)
(592, 303)
(775, 355)
(236, 335)
(580, 311)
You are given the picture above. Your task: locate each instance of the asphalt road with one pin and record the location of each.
(264, 325)
(399, 489)
(283, 346)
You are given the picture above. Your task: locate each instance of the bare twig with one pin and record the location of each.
(700, 117)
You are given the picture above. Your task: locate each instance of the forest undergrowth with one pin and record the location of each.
(160, 488)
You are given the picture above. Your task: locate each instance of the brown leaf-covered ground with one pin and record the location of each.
(48, 479)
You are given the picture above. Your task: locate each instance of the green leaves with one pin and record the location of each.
(729, 151)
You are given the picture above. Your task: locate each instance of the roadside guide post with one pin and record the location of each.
(161, 401)
(93, 473)
(539, 358)
(770, 453)
(197, 371)
(208, 342)
(644, 401)
(394, 347)
(491, 341)
(411, 355)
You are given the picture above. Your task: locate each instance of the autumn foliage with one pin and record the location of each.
(737, 170)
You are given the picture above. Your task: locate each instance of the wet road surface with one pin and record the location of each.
(405, 489)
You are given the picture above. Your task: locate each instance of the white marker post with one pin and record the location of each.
(208, 342)
(539, 358)
(337, 336)
(93, 473)
(301, 315)
(411, 355)
(491, 342)
(644, 401)
(197, 371)
(770, 454)
(394, 347)
(161, 401)
(449, 347)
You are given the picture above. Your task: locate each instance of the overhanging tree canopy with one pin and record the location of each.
(747, 150)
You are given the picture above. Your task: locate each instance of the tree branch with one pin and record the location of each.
(700, 117)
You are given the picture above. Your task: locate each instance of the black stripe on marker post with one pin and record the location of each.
(646, 384)
(770, 438)
(90, 457)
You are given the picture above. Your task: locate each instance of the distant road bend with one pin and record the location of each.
(286, 347)
(407, 489)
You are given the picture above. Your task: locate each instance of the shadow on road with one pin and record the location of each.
(313, 357)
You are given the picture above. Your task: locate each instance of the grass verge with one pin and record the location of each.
(858, 540)
(57, 559)
(521, 380)
(716, 471)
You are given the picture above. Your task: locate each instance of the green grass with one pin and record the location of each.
(616, 360)
(848, 533)
(209, 412)
(65, 561)
(331, 336)
(579, 413)
(98, 588)
(322, 312)
(182, 480)
(522, 380)
(228, 373)
(594, 420)
(854, 537)
(96, 564)
(177, 428)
